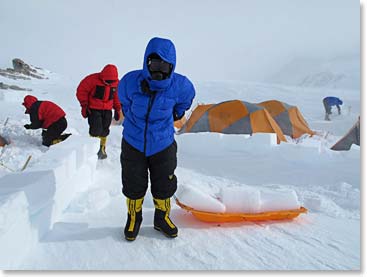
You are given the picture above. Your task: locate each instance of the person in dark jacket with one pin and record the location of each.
(328, 103)
(97, 95)
(152, 99)
(48, 116)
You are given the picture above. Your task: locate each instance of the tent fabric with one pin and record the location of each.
(353, 136)
(232, 117)
(288, 117)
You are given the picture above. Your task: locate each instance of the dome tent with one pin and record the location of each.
(232, 117)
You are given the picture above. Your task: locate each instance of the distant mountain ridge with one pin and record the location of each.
(337, 73)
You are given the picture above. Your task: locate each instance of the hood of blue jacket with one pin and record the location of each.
(166, 50)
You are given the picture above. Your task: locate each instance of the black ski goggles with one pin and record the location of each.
(158, 65)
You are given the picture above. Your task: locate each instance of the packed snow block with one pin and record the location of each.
(84, 148)
(278, 200)
(82, 160)
(253, 200)
(50, 184)
(194, 198)
(39, 187)
(17, 236)
(46, 193)
(74, 172)
(84, 176)
(244, 200)
(44, 219)
(61, 160)
(83, 153)
(67, 189)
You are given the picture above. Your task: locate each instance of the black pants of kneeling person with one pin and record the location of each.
(161, 166)
(54, 131)
(99, 122)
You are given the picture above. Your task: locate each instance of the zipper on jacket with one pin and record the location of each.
(150, 104)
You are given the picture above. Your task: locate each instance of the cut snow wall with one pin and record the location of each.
(47, 189)
(16, 234)
(206, 142)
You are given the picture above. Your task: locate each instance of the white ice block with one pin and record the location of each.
(195, 198)
(253, 200)
(278, 200)
(241, 200)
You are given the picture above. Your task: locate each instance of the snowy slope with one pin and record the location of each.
(87, 232)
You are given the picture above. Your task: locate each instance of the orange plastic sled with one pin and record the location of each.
(235, 217)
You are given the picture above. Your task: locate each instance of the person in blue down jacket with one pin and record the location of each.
(329, 102)
(152, 99)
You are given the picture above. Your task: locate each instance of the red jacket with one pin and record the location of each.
(42, 113)
(95, 93)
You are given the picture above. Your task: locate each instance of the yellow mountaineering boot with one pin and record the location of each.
(134, 218)
(102, 149)
(162, 222)
(56, 141)
(60, 138)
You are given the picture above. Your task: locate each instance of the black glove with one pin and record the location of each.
(145, 87)
(116, 115)
(27, 126)
(176, 117)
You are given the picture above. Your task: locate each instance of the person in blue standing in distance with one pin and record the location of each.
(152, 99)
(328, 103)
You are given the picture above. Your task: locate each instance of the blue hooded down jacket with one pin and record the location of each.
(333, 101)
(148, 123)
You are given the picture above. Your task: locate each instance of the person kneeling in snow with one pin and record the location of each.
(97, 94)
(151, 100)
(328, 103)
(46, 115)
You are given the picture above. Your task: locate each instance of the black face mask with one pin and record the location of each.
(158, 68)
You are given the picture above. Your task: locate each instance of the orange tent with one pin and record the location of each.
(232, 117)
(288, 117)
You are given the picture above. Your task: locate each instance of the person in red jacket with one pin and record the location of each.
(48, 116)
(97, 94)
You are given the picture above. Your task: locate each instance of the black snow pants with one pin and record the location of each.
(54, 131)
(135, 167)
(99, 122)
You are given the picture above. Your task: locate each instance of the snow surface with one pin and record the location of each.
(67, 211)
